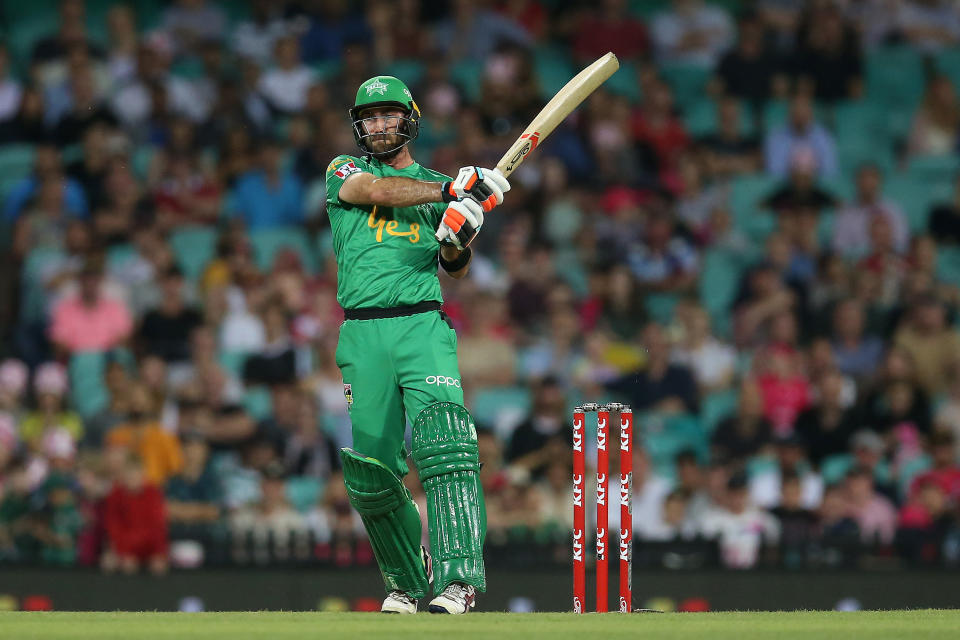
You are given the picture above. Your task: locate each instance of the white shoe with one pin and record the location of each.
(398, 602)
(456, 598)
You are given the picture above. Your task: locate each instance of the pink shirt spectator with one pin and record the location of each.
(783, 400)
(877, 520)
(97, 327)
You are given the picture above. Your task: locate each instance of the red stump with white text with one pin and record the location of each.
(579, 516)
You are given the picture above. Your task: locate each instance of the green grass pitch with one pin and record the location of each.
(874, 625)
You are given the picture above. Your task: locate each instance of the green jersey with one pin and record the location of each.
(386, 256)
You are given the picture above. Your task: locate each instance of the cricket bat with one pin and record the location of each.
(555, 111)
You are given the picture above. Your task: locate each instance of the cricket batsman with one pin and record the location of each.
(398, 351)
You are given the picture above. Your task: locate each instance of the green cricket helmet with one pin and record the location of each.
(385, 91)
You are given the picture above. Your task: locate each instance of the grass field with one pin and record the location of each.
(874, 625)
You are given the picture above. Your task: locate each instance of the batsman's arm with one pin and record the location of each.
(393, 191)
(456, 262)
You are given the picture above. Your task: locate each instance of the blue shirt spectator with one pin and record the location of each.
(74, 198)
(271, 196)
(800, 134)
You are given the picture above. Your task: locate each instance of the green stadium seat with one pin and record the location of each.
(624, 82)
(120, 255)
(193, 248)
(88, 393)
(410, 71)
(664, 436)
(464, 74)
(553, 68)
(948, 265)
(303, 492)
(947, 62)
(500, 408)
(16, 161)
(720, 273)
(141, 159)
(660, 306)
(747, 193)
(257, 402)
(647, 9)
(33, 296)
(268, 242)
(701, 118)
(689, 82)
(895, 75)
(716, 406)
(232, 362)
(916, 198)
(934, 168)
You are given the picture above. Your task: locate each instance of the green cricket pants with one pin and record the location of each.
(392, 369)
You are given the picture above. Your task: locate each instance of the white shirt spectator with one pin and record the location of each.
(741, 534)
(765, 490)
(287, 89)
(255, 41)
(189, 25)
(10, 94)
(712, 362)
(241, 331)
(851, 228)
(695, 33)
(930, 26)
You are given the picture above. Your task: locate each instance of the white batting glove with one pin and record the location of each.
(486, 186)
(461, 223)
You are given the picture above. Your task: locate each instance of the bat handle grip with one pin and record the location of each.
(500, 173)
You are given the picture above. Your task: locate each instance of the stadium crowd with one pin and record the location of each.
(750, 235)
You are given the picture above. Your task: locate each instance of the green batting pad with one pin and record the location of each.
(445, 453)
(392, 521)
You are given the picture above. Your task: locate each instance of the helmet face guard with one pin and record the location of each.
(382, 92)
(408, 126)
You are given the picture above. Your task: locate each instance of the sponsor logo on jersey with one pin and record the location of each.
(346, 169)
(377, 87)
(348, 394)
(443, 381)
(391, 227)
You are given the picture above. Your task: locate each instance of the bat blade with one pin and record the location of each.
(555, 111)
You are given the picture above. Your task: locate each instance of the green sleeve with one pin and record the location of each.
(337, 171)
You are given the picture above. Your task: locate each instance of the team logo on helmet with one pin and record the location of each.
(406, 92)
(378, 87)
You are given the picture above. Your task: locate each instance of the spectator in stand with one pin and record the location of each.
(50, 386)
(86, 110)
(269, 196)
(46, 167)
(887, 266)
(924, 523)
(193, 495)
(142, 435)
(473, 31)
(936, 123)
(166, 330)
(487, 354)
(763, 296)
(190, 23)
(665, 262)
(671, 523)
(945, 218)
(71, 32)
(659, 131)
(929, 25)
(184, 194)
(857, 353)
(11, 91)
(875, 515)
(946, 467)
(255, 37)
(711, 360)
(852, 224)
(90, 320)
(933, 345)
(659, 386)
(730, 151)
(275, 529)
(285, 86)
(797, 521)
(766, 483)
(546, 434)
(744, 433)
(826, 426)
(836, 526)
(135, 520)
(740, 527)
(801, 131)
(610, 28)
(44, 224)
(90, 171)
(750, 70)
(947, 417)
(691, 32)
(828, 63)
(784, 387)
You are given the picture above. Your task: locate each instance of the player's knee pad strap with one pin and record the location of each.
(445, 453)
(391, 519)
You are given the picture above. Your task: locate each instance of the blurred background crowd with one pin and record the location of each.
(750, 235)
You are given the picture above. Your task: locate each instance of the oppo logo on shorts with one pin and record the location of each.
(443, 381)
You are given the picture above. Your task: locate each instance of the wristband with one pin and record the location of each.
(446, 192)
(457, 264)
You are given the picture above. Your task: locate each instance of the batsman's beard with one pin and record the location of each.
(385, 145)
